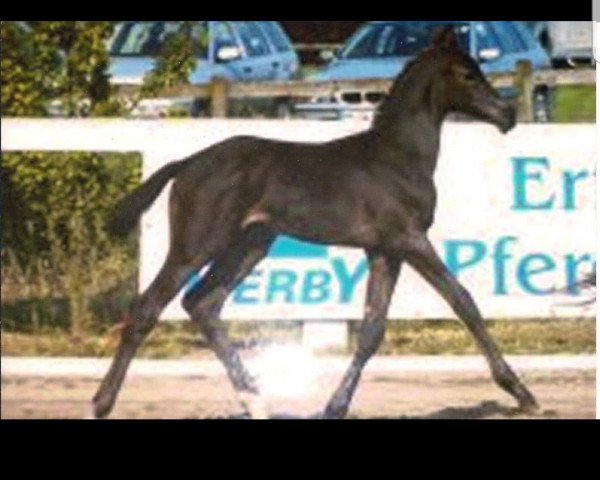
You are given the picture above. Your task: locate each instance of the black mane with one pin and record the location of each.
(387, 109)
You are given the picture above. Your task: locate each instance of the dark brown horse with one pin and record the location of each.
(373, 190)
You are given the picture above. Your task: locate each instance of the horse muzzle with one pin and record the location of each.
(508, 118)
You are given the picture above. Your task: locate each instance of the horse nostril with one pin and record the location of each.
(512, 114)
(510, 118)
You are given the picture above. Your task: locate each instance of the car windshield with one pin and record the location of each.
(397, 39)
(146, 39)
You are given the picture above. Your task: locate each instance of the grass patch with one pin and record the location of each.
(166, 341)
(434, 337)
(574, 104)
(574, 336)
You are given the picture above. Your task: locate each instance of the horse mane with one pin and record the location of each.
(387, 110)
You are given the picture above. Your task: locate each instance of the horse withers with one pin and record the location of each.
(373, 190)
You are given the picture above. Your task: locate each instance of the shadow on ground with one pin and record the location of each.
(483, 410)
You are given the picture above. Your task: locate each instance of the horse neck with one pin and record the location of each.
(410, 119)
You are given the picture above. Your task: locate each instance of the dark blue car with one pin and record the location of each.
(380, 50)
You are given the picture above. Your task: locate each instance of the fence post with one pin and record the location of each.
(523, 83)
(219, 93)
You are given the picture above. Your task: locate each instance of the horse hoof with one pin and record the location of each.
(91, 413)
(254, 405)
(530, 407)
(334, 413)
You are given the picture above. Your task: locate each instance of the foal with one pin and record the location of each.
(373, 190)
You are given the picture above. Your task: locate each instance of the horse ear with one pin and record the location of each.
(444, 37)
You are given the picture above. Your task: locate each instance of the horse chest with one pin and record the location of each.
(401, 200)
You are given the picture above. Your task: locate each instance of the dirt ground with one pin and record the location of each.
(463, 395)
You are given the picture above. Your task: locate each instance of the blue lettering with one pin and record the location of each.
(500, 256)
(454, 249)
(572, 266)
(569, 180)
(527, 269)
(281, 282)
(243, 293)
(315, 288)
(348, 280)
(523, 173)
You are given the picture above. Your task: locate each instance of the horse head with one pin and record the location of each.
(463, 88)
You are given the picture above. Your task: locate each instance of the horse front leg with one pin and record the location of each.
(382, 279)
(422, 256)
(204, 306)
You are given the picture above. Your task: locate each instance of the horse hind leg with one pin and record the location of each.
(205, 303)
(144, 313)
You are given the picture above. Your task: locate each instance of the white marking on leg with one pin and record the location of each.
(91, 413)
(254, 405)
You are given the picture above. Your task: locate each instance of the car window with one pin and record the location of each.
(508, 37)
(526, 35)
(253, 39)
(148, 38)
(517, 35)
(397, 39)
(485, 37)
(277, 36)
(223, 36)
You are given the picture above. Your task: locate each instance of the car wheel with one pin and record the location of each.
(200, 108)
(283, 109)
(542, 106)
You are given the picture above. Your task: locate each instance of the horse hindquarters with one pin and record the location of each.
(204, 222)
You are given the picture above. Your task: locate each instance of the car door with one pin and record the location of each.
(513, 48)
(485, 38)
(222, 35)
(535, 51)
(284, 60)
(257, 63)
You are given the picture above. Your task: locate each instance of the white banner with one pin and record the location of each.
(515, 222)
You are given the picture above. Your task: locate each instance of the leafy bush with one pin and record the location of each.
(59, 266)
(46, 61)
(54, 210)
(58, 203)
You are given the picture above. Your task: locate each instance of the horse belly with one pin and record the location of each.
(329, 222)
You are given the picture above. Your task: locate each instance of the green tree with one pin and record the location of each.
(67, 62)
(55, 206)
(29, 71)
(177, 59)
(44, 62)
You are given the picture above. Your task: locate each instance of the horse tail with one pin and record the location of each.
(129, 209)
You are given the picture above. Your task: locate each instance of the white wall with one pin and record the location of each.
(476, 184)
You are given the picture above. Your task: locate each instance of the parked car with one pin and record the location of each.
(568, 43)
(380, 50)
(236, 51)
